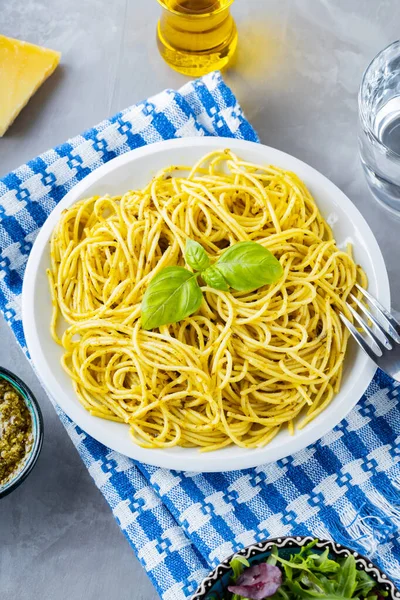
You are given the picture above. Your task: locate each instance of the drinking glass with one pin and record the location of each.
(379, 130)
(196, 36)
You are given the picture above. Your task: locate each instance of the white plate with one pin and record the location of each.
(133, 170)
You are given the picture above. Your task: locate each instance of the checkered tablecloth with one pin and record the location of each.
(345, 487)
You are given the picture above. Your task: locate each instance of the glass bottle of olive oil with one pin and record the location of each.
(196, 36)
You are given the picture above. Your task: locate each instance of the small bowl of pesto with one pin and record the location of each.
(21, 431)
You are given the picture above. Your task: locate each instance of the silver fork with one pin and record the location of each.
(381, 345)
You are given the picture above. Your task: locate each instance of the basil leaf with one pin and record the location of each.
(195, 256)
(247, 266)
(215, 279)
(172, 295)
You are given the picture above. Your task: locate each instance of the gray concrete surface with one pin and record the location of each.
(297, 74)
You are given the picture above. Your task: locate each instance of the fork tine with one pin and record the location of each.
(371, 317)
(393, 326)
(359, 338)
(369, 333)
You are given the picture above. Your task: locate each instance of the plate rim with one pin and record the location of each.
(162, 457)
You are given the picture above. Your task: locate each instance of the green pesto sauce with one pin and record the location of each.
(15, 430)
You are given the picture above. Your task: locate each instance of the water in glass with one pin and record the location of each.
(379, 134)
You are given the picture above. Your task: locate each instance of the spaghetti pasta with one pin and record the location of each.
(245, 364)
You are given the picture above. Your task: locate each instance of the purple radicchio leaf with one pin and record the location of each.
(258, 582)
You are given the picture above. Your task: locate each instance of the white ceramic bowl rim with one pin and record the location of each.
(31, 457)
(137, 167)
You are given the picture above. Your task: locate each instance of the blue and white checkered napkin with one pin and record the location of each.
(346, 486)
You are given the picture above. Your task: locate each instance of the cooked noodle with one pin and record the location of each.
(247, 363)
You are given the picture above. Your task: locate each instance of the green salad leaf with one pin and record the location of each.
(365, 584)
(238, 564)
(347, 574)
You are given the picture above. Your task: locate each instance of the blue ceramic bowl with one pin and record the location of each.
(214, 586)
(37, 431)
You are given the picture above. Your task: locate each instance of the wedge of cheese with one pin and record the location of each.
(23, 69)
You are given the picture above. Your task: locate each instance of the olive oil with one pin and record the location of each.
(196, 36)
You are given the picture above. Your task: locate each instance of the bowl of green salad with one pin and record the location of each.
(297, 568)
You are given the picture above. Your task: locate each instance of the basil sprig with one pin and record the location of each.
(174, 293)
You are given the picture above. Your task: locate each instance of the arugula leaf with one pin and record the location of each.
(304, 550)
(215, 279)
(172, 295)
(280, 594)
(288, 571)
(271, 560)
(322, 562)
(365, 584)
(247, 266)
(293, 563)
(314, 583)
(347, 577)
(237, 564)
(195, 256)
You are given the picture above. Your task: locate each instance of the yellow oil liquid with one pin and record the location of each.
(196, 36)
